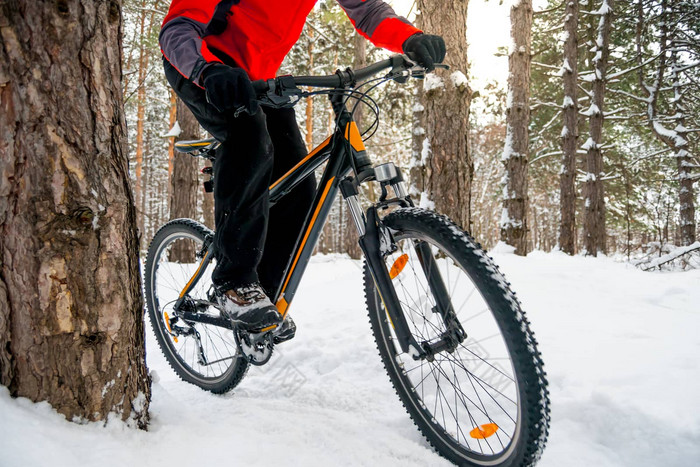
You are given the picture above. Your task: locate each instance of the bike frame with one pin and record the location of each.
(340, 150)
(345, 152)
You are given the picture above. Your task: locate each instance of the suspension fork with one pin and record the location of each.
(372, 243)
(443, 304)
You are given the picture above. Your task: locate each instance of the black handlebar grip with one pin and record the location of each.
(260, 87)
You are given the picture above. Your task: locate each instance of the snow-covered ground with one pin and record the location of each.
(621, 347)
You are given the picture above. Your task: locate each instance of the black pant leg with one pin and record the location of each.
(287, 215)
(242, 174)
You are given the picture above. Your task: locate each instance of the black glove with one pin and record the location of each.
(229, 88)
(425, 49)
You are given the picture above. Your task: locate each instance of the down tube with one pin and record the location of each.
(322, 206)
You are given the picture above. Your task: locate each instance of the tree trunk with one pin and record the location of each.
(349, 234)
(141, 114)
(183, 182)
(442, 166)
(684, 162)
(515, 153)
(593, 188)
(359, 61)
(310, 99)
(676, 139)
(208, 205)
(569, 135)
(71, 314)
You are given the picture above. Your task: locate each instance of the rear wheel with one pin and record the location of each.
(202, 354)
(485, 401)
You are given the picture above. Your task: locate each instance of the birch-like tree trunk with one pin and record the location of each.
(515, 153)
(441, 164)
(569, 134)
(594, 238)
(71, 314)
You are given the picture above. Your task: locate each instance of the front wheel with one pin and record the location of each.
(483, 401)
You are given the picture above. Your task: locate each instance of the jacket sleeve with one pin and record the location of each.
(182, 45)
(378, 22)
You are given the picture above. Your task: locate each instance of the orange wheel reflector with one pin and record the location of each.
(483, 431)
(398, 265)
(167, 323)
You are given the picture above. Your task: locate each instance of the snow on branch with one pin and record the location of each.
(689, 257)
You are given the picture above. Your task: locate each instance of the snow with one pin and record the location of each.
(568, 102)
(566, 67)
(174, 131)
(589, 144)
(432, 82)
(425, 201)
(459, 80)
(508, 151)
(425, 152)
(673, 254)
(604, 9)
(507, 221)
(663, 131)
(592, 110)
(620, 348)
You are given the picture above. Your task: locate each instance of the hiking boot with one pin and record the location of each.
(249, 307)
(285, 331)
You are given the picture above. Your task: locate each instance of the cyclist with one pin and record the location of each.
(211, 51)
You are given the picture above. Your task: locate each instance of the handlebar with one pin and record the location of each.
(278, 91)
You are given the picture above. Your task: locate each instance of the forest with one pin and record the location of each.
(564, 153)
(607, 149)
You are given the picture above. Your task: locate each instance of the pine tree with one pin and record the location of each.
(71, 314)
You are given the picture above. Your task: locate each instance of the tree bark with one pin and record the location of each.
(442, 168)
(208, 205)
(515, 153)
(71, 314)
(569, 136)
(684, 162)
(310, 99)
(594, 240)
(183, 182)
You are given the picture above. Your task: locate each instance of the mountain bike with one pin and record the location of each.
(452, 336)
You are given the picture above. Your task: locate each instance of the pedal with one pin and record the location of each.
(256, 347)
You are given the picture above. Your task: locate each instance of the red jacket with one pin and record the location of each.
(260, 33)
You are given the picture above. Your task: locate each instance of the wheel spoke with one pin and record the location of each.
(169, 268)
(471, 388)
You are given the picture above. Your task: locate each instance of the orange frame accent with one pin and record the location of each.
(301, 162)
(306, 235)
(196, 274)
(352, 134)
